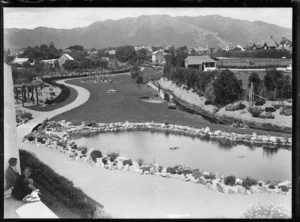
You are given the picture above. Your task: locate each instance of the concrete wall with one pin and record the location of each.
(11, 146)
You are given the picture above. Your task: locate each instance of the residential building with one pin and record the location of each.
(202, 50)
(204, 63)
(50, 62)
(111, 52)
(63, 59)
(157, 57)
(20, 61)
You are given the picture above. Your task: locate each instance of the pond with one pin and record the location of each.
(240, 160)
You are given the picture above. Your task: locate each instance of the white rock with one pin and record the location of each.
(273, 139)
(286, 183)
(206, 130)
(238, 181)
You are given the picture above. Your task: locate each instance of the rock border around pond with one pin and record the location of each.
(55, 135)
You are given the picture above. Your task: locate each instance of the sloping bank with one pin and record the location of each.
(192, 103)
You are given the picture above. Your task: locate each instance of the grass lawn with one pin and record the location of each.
(126, 105)
(71, 98)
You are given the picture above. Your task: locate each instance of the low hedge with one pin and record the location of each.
(234, 107)
(260, 103)
(129, 162)
(266, 115)
(230, 180)
(95, 154)
(270, 109)
(248, 182)
(62, 188)
(255, 111)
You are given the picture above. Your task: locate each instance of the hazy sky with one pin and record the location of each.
(79, 17)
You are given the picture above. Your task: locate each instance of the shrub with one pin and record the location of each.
(104, 161)
(248, 182)
(197, 174)
(129, 162)
(271, 186)
(30, 138)
(90, 123)
(234, 107)
(270, 109)
(255, 111)
(230, 180)
(210, 176)
(284, 188)
(266, 115)
(52, 93)
(171, 170)
(159, 169)
(95, 154)
(286, 112)
(76, 122)
(112, 156)
(139, 80)
(140, 162)
(260, 103)
(266, 211)
(207, 103)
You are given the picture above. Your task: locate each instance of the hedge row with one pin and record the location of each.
(65, 91)
(62, 188)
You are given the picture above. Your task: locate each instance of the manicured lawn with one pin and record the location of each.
(126, 105)
(71, 98)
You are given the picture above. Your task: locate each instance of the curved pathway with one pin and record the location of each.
(131, 195)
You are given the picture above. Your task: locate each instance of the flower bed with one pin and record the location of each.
(55, 138)
(22, 117)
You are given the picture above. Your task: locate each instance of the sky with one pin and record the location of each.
(66, 18)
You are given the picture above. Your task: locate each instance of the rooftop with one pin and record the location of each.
(193, 60)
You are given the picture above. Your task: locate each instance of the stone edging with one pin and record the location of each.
(217, 184)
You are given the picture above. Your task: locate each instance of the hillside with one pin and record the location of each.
(213, 31)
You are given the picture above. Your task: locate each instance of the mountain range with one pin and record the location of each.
(210, 31)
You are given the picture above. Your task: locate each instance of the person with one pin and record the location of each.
(11, 173)
(23, 185)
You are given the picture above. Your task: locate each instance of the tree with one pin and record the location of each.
(273, 81)
(193, 52)
(287, 92)
(70, 64)
(227, 88)
(8, 58)
(142, 54)
(254, 78)
(135, 71)
(126, 54)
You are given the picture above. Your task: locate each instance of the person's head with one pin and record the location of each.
(27, 171)
(12, 161)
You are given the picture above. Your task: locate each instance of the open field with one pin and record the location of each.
(252, 62)
(126, 104)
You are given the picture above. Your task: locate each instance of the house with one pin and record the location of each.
(50, 62)
(238, 48)
(202, 50)
(63, 59)
(20, 61)
(157, 57)
(269, 43)
(204, 63)
(111, 52)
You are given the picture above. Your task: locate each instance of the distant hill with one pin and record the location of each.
(212, 31)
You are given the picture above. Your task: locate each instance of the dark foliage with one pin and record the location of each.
(230, 180)
(96, 154)
(248, 182)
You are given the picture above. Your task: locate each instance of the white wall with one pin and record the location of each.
(11, 146)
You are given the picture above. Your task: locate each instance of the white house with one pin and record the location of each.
(111, 52)
(50, 62)
(20, 61)
(63, 59)
(157, 57)
(204, 63)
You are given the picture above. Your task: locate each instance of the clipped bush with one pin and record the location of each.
(197, 174)
(266, 211)
(270, 109)
(104, 161)
(129, 162)
(271, 186)
(230, 180)
(210, 176)
(140, 161)
(112, 156)
(171, 170)
(260, 103)
(248, 182)
(159, 169)
(286, 112)
(284, 188)
(235, 106)
(30, 138)
(255, 111)
(95, 154)
(139, 80)
(266, 115)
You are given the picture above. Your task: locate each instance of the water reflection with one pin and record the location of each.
(269, 152)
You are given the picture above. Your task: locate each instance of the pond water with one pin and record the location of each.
(240, 160)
